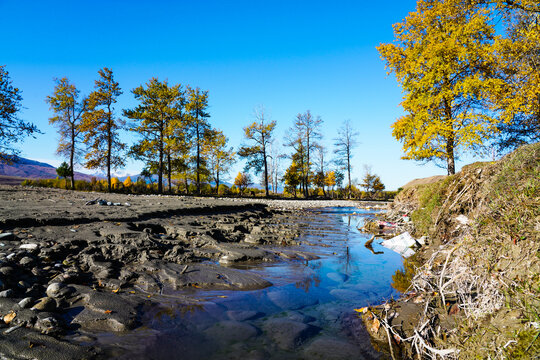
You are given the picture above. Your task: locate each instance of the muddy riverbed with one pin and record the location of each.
(167, 277)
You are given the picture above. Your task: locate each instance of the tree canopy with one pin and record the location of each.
(12, 129)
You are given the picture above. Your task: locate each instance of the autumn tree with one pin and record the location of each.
(371, 182)
(303, 138)
(197, 117)
(320, 175)
(517, 100)
(219, 157)
(156, 116)
(442, 60)
(330, 180)
(100, 126)
(12, 129)
(260, 134)
(292, 178)
(242, 181)
(344, 145)
(68, 110)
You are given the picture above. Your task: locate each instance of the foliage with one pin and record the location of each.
(260, 133)
(12, 129)
(197, 120)
(372, 183)
(242, 181)
(64, 170)
(442, 58)
(292, 178)
(158, 115)
(223, 190)
(100, 126)
(219, 158)
(303, 137)
(68, 111)
(128, 183)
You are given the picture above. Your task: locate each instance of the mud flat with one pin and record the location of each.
(74, 264)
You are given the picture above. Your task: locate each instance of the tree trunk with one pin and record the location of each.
(71, 157)
(451, 167)
(109, 149)
(265, 172)
(160, 165)
(169, 171)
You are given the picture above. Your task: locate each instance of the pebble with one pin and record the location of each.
(29, 246)
(45, 304)
(10, 256)
(26, 261)
(53, 289)
(25, 303)
(6, 293)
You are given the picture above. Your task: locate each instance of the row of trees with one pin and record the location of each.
(175, 138)
(171, 122)
(465, 86)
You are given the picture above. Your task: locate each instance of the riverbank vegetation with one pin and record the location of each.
(474, 289)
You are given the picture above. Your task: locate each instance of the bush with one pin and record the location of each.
(223, 190)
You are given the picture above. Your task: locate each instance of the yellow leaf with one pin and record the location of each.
(116, 290)
(132, 292)
(9, 317)
(362, 310)
(108, 311)
(222, 296)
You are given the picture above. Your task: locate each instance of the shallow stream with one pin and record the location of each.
(308, 313)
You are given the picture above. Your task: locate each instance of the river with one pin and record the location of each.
(308, 312)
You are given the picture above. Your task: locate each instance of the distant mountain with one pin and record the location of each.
(31, 169)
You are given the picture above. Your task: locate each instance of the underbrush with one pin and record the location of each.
(481, 272)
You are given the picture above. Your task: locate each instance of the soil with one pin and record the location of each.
(75, 263)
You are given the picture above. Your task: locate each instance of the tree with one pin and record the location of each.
(320, 176)
(242, 181)
(68, 112)
(330, 179)
(100, 126)
(303, 138)
(260, 132)
(371, 182)
(344, 145)
(12, 129)
(157, 114)
(517, 101)
(64, 170)
(196, 105)
(128, 183)
(219, 158)
(292, 178)
(442, 60)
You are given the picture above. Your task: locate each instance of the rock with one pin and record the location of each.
(338, 277)
(54, 289)
(45, 304)
(6, 270)
(291, 298)
(7, 236)
(6, 293)
(231, 331)
(345, 294)
(29, 246)
(328, 348)
(48, 325)
(288, 334)
(243, 315)
(25, 303)
(25, 261)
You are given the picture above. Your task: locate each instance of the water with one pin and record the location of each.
(307, 313)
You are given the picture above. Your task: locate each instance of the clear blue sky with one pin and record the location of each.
(289, 56)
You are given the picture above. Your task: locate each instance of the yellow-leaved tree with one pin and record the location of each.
(442, 57)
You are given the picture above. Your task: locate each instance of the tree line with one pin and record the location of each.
(175, 139)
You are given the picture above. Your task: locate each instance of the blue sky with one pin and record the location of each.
(289, 56)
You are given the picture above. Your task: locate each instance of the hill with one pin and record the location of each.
(23, 168)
